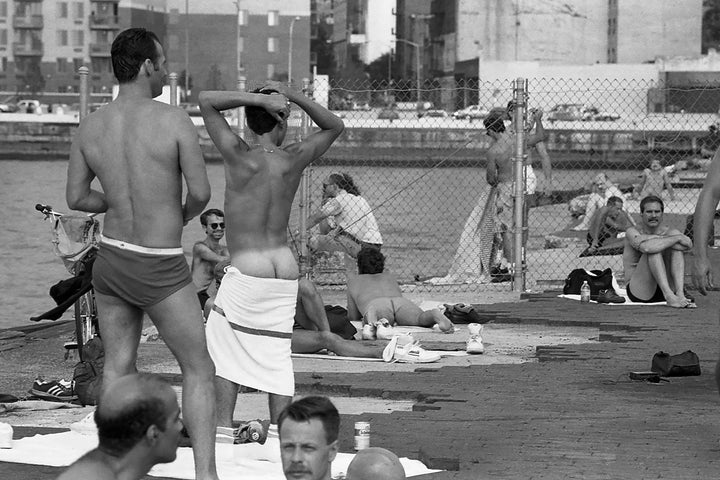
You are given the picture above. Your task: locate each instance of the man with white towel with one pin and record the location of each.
(250, 326)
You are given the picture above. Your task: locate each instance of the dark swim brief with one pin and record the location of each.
(141, 278)
(657, 297)
(203, 297)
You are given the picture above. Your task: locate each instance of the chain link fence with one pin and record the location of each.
(418, 157)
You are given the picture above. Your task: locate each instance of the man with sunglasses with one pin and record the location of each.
(208, 252)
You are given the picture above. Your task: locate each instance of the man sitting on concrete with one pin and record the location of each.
(375, 463)
(653, 258)
(374, 295)
(607, 222)
(138, 420)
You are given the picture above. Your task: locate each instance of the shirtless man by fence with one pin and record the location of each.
(249, 329)
(140, 150)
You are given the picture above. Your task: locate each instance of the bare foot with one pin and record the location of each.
(443, 323)
(680, 302)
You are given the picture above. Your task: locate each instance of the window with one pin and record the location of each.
(271, 71)
(3, 38)
(3, 65)
(77, 63)
(174, 18)
(273, 16)
(272, 44)
(79, 10)
(242, 17)
(62, 65)
(62, 38)
(62, 10)
(78, 38)
(3, 9)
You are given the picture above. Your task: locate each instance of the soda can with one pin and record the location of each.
(362, 435)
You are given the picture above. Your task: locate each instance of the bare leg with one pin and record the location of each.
(650, 274)
(429, 318)
(276, 404)
(304, 341)
(226, 393)
(310, 309)
(675, 264)
(408, 314)
(179, 321)
(120, 328)
(507, 245)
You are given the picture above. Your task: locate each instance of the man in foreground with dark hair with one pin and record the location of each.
(141, 151)
(309, 430)
(138, 420)
(249, 329)
(375, 463)
(653, 258)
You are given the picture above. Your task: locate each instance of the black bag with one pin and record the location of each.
(680, 365)
(339, 323)
(87, 375)
(597, 280)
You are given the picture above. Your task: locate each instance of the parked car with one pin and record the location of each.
(388, 114)
(8, 108)
(29, 106)
(472, 112)
(593, 113)
(361, 106)
(432, 112)
(579, 111)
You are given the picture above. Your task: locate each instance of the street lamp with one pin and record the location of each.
(290, 49)
(187, 49)
(417, 63)
(237, 40)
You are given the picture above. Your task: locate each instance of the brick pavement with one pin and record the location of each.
(575, 414)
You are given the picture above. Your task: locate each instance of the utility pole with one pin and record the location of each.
(187, 49)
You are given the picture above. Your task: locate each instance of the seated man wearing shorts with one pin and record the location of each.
(375, 294)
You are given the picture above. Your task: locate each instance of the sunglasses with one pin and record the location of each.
(215, 226)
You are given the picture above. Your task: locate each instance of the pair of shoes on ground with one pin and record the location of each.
(252, 431)
(405, 349)
(474, 344)
(382, 330)
(609, 296)
(55, 390)
(462, 313)
(499, 274)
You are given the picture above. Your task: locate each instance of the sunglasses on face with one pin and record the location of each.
(215, 226)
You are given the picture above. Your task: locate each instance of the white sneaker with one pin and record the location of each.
(410, 352)
(86, 426)
(475, 343)
(368, 332)
(384, 331)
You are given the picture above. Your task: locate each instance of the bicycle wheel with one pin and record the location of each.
(85, 320)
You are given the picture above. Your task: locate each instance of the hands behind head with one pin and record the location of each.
(276, 104)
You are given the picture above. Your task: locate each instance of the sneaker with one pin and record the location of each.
(609, 296)
(410, 352)
(475, 343)
(384, 331)
(368, 332)
(86, 426)
(59, 391)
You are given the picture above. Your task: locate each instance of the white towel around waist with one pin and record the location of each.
(250, 329)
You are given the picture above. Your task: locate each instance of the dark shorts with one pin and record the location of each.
(657, 297)
(203, 297)
(141, 279)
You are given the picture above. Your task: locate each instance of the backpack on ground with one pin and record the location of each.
(87, 376)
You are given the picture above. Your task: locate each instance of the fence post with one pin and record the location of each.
(240, 112)
(84, 72)
(519, 127)
(304, 202)
(173, 89)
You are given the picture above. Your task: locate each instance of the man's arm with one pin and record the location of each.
(668, 185)
(702, 220)
(354, 314)
(657, 243)
(595, 225)
(330, 207)
(200, 250)
(192, 165)
(78, 194)
(331, 126)
(212, 103)
(539, 135)
(546, 165)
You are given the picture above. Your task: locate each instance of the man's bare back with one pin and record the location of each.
(362, 289)
(500, 159)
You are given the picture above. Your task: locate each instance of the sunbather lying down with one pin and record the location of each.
(312, 332)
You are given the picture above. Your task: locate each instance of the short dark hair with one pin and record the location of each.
(212, 211)
(121, 432)
(258, 119)
(651, 199)
(315, 406)
(346, 182)
(494, 122)
(614, 199)
(370, 260)
(130, 49)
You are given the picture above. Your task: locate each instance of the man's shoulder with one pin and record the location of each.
(89, 466)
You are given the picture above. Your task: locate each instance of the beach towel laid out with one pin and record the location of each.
(249, 331)
(233, 461)
(330, 356)
(623, 293)
(34, 405)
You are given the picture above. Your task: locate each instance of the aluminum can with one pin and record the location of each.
(362, 435)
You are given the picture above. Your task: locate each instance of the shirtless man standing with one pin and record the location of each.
(208, 252)
(500, 170)
(250, 327)
(140, 150)
(653, 258)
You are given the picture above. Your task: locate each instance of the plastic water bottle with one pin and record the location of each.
(585, 292)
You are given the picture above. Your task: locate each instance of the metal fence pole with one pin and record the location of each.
(304, 202)
(173, 88)
(240, 112)
(519, 127)
(84, 72)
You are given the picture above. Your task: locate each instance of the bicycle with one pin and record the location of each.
(75, 239)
